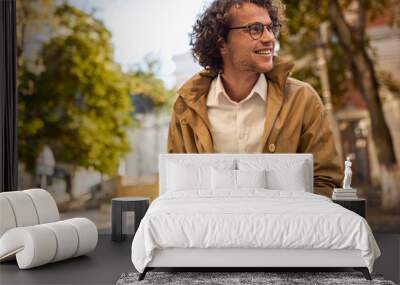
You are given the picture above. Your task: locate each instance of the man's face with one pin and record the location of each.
(240, 52)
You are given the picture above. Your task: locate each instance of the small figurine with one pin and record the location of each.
(347, 174)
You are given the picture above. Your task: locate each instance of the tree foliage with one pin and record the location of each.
(300, 41)
(301, 33)
(79, 104)
(143, 80)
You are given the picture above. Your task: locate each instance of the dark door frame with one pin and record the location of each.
(8, 97)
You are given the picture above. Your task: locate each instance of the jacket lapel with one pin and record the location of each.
(197, 118)
(275, 95)
(274, 106)
(195, 91)
(196, 115)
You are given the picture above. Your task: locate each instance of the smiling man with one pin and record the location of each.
(244, 101)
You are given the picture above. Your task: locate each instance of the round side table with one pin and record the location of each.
(139, 205)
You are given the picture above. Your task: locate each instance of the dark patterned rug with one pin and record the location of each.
(229, 278)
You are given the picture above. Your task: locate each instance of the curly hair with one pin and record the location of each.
(212, 27)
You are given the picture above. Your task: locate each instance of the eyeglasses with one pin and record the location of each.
(256, 30)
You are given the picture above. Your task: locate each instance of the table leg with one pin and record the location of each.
(116, 222)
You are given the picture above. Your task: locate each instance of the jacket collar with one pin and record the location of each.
(280, 73)
(199, 84)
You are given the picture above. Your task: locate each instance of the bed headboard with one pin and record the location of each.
(213, 157)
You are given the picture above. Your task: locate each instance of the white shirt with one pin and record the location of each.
(237, 127)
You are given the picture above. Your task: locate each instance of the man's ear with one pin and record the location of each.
(222, 46)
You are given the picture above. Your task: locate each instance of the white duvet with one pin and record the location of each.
(253, 218)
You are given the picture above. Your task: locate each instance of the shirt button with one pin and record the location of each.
(271, 147)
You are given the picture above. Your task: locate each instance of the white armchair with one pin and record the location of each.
(31, 230)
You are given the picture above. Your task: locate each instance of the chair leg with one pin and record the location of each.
(364, 271)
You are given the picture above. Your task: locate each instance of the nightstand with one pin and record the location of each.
(358, 205)
(138, 205)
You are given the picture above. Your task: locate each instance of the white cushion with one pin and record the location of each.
(33, 246)
(292, 180)
(251, 161)
(186, 175)
(67, 239)
(187, 178)
(285, 175)
(23, 208)
(26, 208)
(251, 178)
(87, 232)
(7, 218)
(46, 207)
(223, 179)
(236, 179)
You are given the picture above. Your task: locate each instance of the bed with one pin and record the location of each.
(247, 210)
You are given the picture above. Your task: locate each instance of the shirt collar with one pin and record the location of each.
(261, 87)
(217, 91)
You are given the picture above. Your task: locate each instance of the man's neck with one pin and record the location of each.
(238, 86)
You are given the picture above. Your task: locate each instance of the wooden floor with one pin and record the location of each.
(110, 260)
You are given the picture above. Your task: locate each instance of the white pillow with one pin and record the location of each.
(223, 179)
(281, 175)
(251, 178)
(181, 177)
(192, 174)
(292, 179)
(236, 179)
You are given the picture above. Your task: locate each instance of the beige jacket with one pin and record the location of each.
(295, 122)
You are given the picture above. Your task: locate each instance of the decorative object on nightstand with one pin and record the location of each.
(345, 193)
(347, 196)
(122, 218)
(347, 174)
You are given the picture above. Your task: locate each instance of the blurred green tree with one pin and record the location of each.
(348, 51)
(144, 80)
(79, 103)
